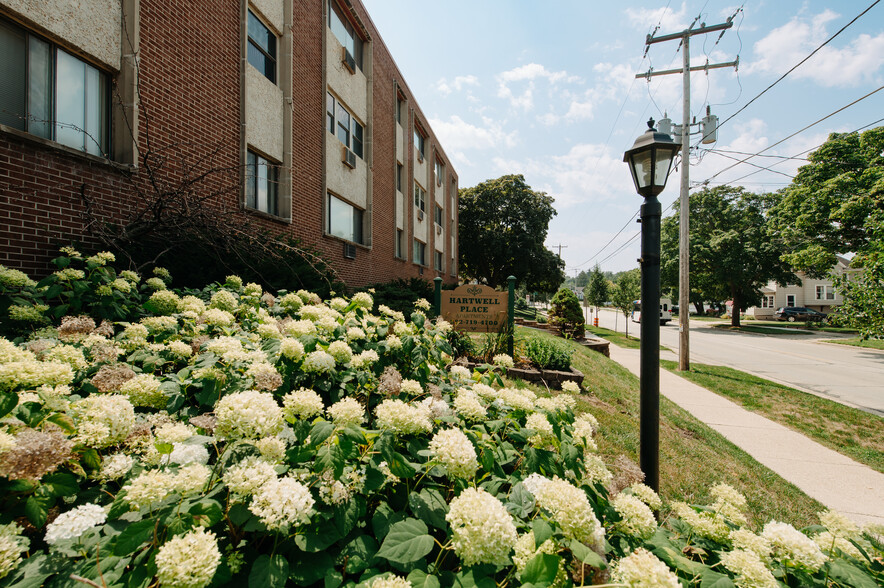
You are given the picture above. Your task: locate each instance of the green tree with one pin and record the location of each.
(503, 225)
(565, 312)
(582, 279)
(836, 202)
(596, 291)
(626, 290)
(734, 249)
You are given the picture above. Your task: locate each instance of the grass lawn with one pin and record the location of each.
(618, 339)
(693, 457)
(849, 431)
(763, 330)
(857, 342)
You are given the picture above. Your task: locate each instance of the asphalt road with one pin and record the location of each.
(842, 373)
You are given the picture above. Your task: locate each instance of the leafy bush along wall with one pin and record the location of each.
(232, 437)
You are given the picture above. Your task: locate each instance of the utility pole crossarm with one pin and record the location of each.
(651, 73)
(690, 32)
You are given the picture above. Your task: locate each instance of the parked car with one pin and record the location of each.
(799, 313)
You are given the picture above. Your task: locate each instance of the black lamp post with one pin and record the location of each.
(649, 161)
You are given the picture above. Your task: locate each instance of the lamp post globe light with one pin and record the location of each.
(649, 162)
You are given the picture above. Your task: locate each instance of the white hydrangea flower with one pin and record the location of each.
(355, 334)
(839, 525)
(393, 342)
(707, 524)
(792, 547)
(291, 348)
(502, 360)
(319, 362)
(174, 432)
(637, 519)
(160, 323)
(188, 453)
(402, 329)
(144, 390)
(749, 568)
(412, 387)
(438, 408)
(468, 407)
(341, 351)
(583, 432)
(729, 503)
(595, 469)
(10, 352)
(31, 374)
(642, 569)
(103, 420)
(268, 331)
(363, 300)
(454, 451)
(73, 523)
(7, 441)
(67, 354)
(149, 487)
(391, 581)
(189, 560)
(571, 386)
(748, 541)
(300, 328)
(282, 502)
(115, 466)
(302, 404)
(646, 494)
(365, 359)
(525, 551)
(223, 345)
(560, 403)
(402, 418)
(245, 477)
(217, 317)
(180, 349)
(224, 300)
(265, 376)
(830, 543)
(459, 372)
(192, 304)
(346, 412)
(543, 429)
(393, 314)
(570, 508)
(12, 544)
(482, 529)
(191, 479)
(272, 448)
(516, 399)
(250, 414)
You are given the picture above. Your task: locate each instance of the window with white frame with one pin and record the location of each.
(344, 220)
(420, 143)
(825, 293)
(437, 216)
(49, 93)
(343, 125)
(262, 47)
(262, 184)
(437, 262)
(420, 197)
(419, 255)
(400, 109)
(440, 171)
(344, 32)
(767, 301)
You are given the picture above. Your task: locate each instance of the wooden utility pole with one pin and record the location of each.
(684, 299)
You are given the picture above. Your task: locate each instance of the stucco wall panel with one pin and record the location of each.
(91, 26)
(264, 114)
(351, 88)
(272, 11)
(349, 183)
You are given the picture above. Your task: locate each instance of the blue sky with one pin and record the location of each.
(547, 89)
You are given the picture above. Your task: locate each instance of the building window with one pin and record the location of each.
(262, 184)
(419, 254)
(344, 220)
(400, 109)
(440, 172)
(438, 215)
(437, 262)
(420, 198)
(343, 125)
(262, 47)
(50, 93)
(419, 143)
(400, 243)
(825, 293)
(399, 173)
(790, 300)
(767, 301)
(344, 32)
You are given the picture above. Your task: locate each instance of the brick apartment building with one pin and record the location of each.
(299, 101)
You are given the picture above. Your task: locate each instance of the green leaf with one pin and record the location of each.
(320, 432)
(37, 509)
(406, 542)
(330, 458)
(671, 555)
(586, 555)
(90, 459)
(429, 506)
(207, 509)
(61, 484)
(421, 579)
(383, 518)
(269, 572)
(8, 401)
(310, 568)
(470, 578)
(542, 531)
(541, 570)
(520, 502)
(710, 579)
(134, 536)
(164, 448)
(359, 553)
(849, 575)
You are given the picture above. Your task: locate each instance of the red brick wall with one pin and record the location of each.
(190, 118)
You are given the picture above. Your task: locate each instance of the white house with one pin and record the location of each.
(812, 293)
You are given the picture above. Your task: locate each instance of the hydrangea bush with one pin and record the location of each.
(234, 437)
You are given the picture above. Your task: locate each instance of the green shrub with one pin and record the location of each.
(548, 355)
(401, 294)
(461, 343)
(566, 313)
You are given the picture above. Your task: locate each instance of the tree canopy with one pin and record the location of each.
(626, 289)
(596, 292)
(734, 250)
(503, 224)
(835, 204)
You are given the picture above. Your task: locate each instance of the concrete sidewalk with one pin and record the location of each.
(836, 481)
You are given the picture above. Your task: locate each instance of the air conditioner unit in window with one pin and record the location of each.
(349, 250)
(438, 230)
(348, 157)
(348, 60)
(420, 215)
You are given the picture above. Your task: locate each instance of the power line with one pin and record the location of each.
(797, 65)
(621, 248)
(760, 167)
(609, 242)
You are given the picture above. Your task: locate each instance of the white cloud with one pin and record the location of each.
(458, 135)
(670, 21)
(859, 61)
(526, 76)
(456, 85)
(533, 71)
